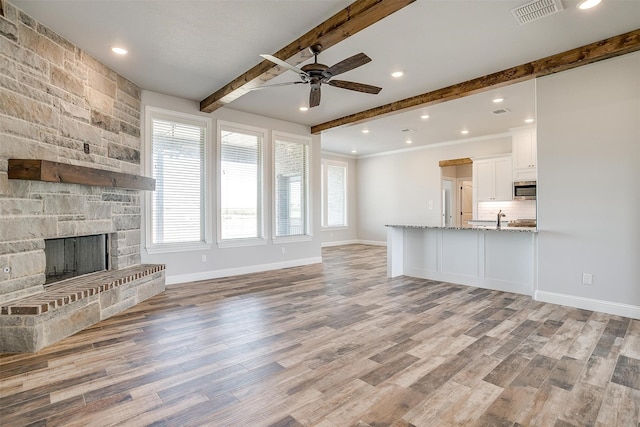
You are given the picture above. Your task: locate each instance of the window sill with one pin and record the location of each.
(234, 243)
(292, 239)
(335, 227)
(177, 247)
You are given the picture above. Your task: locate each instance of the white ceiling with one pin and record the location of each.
(192, 48)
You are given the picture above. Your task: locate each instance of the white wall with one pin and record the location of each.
(588, 184)
(345, 235)
(187, 266)
(395, 188)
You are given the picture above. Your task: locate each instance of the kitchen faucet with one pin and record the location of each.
(500, 215)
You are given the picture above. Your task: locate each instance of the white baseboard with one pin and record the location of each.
(616, 308)
(354, 242)
(475, 281)
(339, 243)
(216, 274)
(371, 242)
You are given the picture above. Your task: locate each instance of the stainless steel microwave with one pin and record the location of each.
(524, 190)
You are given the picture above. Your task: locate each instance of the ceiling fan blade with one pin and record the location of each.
(348, 64)
(284, 64)
(358, 87)
(314, 97)
(275, 85)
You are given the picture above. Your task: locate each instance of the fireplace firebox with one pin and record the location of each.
(73, 256)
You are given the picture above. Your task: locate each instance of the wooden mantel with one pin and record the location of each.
(48, 171)
(455, 162)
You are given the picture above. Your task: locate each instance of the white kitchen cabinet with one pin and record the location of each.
(524, 147)
(492, 179)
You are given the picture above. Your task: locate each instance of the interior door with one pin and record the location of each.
(466, 201)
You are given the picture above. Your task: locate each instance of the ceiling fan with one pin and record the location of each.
(316, 74)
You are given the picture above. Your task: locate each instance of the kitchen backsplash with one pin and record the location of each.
(520, 209)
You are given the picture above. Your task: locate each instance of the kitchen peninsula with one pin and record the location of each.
(487, 257)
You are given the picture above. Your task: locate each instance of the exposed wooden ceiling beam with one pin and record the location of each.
(604, 49)
(355, 17)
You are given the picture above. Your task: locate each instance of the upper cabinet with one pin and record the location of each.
(492, 179)
(525, 158)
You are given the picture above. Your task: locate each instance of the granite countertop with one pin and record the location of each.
(475, 227)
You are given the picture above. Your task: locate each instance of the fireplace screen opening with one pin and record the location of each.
(74, 256)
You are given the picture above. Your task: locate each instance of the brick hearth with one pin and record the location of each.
(29, 324)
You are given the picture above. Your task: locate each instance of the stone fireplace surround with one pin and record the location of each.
(61, 105)
(32, 317)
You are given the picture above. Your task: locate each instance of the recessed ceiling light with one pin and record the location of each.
(464, 132)
(424, 116)
(397, 74)
(528, 120)
(304, 108)
(588, 4)
(498, 100)
(365, 131)
(354, 151)
(119, 50)
(409, 141)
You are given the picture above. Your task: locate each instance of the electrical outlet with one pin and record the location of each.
(284, 250)
(587, 279)
(204, 258)
(86, 148)
(430, 204)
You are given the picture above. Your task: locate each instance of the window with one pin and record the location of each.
(334, 194)
(291, 182)
(241, 188)
(177, 145)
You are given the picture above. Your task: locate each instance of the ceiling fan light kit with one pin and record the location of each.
(316, 74)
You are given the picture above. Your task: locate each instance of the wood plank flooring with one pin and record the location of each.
(332, 345)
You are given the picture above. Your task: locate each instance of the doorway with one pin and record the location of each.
(457, 194)
(448, 202)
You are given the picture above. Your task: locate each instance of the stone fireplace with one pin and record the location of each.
(62, 106)
(87, 239)
(56, 211)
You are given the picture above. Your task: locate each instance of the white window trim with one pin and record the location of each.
(151, 248)
(235, 243)
(309, 225)
(251, 241)
(335, 228)
(325, 211)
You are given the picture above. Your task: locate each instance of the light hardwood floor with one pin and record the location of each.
(332, 345)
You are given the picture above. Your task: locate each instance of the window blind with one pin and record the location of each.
(291, 160)
(241, 197)
(178, 155)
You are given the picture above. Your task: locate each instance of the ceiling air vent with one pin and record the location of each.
(535, 10)
(500, 111)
